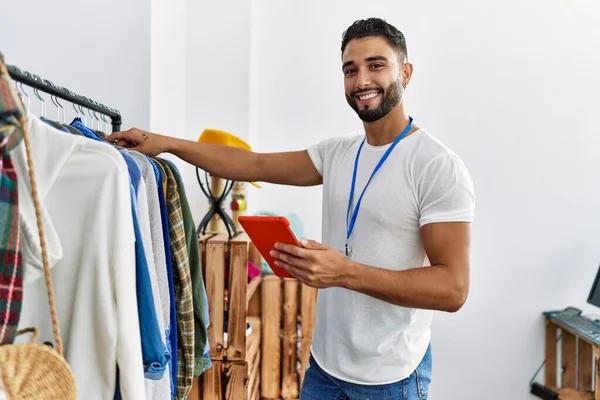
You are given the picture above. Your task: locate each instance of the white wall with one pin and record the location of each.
(98, 49)
(200, 58)
(514, 88)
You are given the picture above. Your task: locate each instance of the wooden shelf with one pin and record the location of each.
(253, 358)
(252, 286)
(573, 394)
(579, 363)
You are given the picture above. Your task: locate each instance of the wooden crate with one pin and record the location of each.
(235, 357)
(580, 363)
(288, 314)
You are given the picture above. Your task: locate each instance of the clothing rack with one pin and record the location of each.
(46, 86)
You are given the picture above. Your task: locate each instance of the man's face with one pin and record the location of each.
(372, 77)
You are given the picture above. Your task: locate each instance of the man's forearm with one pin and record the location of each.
(431, 287)
(223, 161)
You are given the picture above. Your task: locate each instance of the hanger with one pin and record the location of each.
(37, 94)
(55, 101)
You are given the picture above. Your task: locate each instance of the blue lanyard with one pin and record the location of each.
(350, 226)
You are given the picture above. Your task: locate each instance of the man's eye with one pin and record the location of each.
(349, 71)
(377, 65)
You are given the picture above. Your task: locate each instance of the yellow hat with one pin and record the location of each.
(215, 136)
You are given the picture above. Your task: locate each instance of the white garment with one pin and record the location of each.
(156, 230)
(358, 338)
(155, 389)
(83, 186)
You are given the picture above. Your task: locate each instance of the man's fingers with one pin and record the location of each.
(291, 249)
(130, 136)
(116, 136)
(312, 244)
(296, 272)
(289, 259)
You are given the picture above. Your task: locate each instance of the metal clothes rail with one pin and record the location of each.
(46, 86)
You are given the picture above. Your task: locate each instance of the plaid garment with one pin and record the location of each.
(183, 287)
(12, 120)
(201, 315)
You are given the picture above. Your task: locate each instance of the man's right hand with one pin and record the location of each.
(288, 168)
(145, 142)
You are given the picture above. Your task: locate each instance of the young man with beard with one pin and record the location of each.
(397, 209)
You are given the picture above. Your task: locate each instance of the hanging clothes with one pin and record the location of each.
(123, 252)
(173, 334)
(154, 352)
(12, 118)
(151, 226)
(183, 287)
(202, 360)
(90, 235)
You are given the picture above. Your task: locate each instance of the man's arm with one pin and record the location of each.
(286, 168)
(442, 286)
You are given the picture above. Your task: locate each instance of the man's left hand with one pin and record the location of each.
(314, 264)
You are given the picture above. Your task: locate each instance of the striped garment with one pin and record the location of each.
(183, 286)
(12, 120)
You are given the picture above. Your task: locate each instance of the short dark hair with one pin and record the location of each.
(376, 27)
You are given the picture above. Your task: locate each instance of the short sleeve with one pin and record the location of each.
(445, 191)
(319, 151)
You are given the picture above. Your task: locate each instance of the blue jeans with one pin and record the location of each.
(318, 385)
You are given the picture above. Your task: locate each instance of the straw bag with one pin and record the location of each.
(34, 371)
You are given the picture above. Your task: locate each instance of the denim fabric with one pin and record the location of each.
(154, 354)
(319, 385)
(87, 132)
(172, 338)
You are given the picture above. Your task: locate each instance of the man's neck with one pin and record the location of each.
(388, 128)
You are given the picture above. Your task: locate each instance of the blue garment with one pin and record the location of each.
(318, 385)
(87, 132)
(165, 224)
(154, 354)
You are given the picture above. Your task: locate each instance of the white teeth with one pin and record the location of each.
(368, 96)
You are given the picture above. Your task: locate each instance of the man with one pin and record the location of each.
(392, 199)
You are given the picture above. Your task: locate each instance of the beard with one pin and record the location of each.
(390, 98)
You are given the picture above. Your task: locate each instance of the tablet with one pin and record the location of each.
(265, 231)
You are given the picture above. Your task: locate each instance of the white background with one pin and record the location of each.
(512, 86)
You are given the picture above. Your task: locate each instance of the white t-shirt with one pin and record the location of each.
(83, 187)
(359, 338)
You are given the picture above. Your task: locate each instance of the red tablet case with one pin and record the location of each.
(265, 231)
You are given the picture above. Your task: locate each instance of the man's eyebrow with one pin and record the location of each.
(368, 59)
(376, 58)
(347, 64)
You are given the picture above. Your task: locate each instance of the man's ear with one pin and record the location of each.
(406, 71)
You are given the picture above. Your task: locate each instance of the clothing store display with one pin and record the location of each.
(94, 264)
(154, 353)
(201, 346)
(161, 177)
(151, 228)
(29, 370)
(156, 233)
(183, 287)
(121, 250)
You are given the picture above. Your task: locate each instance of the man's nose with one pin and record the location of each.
(363, 79)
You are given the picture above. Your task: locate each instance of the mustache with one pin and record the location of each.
(359, 91)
